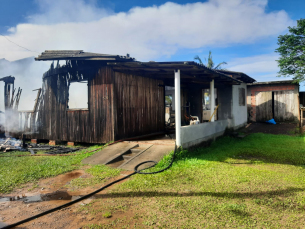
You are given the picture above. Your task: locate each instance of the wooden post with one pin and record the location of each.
(301, 117)
(212, 99)
(33, 116)
(212, 116)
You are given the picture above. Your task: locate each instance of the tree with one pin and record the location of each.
(292, 52)
(210, 63)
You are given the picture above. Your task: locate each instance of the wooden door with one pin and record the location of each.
(263, 106)
(285, 108)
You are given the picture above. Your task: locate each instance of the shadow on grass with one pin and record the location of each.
(229, 195)
(255, 148)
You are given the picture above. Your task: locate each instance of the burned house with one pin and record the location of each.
(126, 98)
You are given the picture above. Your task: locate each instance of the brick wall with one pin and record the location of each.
(259, 88)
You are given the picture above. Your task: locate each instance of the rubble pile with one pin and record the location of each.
(10, 144)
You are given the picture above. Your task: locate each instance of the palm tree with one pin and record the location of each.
(210, 63)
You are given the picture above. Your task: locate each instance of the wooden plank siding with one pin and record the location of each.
(285, 106)
(264, 106)
(94, 125)
(100, 106)
(139, 105)
(119, 106)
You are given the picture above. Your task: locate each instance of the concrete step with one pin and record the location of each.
(110, 153)
(129, 156)
(138, 149)
(154, 153)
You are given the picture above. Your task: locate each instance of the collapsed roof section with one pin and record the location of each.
(8, 79)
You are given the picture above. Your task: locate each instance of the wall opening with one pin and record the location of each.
(242, 97)
(78, 95)
(206, 105)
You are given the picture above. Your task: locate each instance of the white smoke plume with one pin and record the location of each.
(28, 76)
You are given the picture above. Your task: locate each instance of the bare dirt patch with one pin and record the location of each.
(278, 128)
(45, 194)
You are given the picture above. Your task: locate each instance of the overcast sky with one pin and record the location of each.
(241, 32)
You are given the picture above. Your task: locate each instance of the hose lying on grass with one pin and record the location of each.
(96, 191)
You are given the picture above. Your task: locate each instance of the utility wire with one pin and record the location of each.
(17, 44)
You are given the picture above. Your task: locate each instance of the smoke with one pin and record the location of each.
(28, 76)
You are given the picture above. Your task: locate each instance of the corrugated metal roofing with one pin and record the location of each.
(80, 55)
(238, 75)
(189, 69)
(273, 82)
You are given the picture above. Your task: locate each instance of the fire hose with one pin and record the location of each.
(136, 171)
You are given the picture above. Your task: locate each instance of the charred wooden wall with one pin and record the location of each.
(138, 105)
(94, 125)
(119, 106)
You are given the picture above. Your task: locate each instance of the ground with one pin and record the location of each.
(48, 193)
(279, 128)
(254, 182)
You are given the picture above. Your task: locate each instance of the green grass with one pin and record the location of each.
(15, 171)
(256, 182)
(100, 174)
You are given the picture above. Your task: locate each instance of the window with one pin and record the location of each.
(78, 95)
(168, 100)
(242, 97)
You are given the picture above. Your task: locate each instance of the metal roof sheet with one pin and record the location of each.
(238, 75)
(273, 82)
(189, 69)
(80, 55)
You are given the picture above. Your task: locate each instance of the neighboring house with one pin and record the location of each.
(276, 99)
(126, 98)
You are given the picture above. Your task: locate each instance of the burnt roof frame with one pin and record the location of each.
(165, 70)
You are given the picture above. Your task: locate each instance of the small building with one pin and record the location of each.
(126, 98)
(275, 99)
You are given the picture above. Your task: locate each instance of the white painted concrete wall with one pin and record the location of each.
(239, 113)
(194, 135)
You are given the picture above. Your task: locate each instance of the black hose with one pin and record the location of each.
(96, 191)
(155, 163)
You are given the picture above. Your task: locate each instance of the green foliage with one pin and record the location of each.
(292, 51)
(210, 63)
(107, 215)
(168, 99)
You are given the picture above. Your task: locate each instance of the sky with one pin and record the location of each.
(242, 33)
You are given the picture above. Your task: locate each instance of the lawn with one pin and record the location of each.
(255, 182)
(16, 171)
